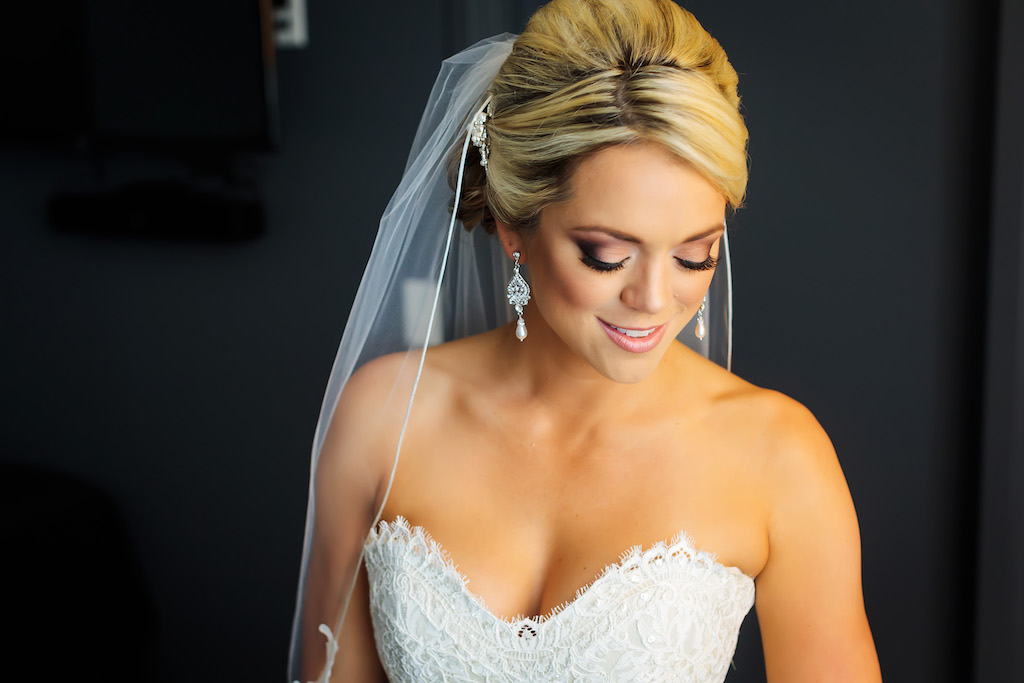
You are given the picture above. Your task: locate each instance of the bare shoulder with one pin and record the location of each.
(799, 465)
(370, 388)
(364, 420)
(465, 361)
(373, 404)
(786, 458)
(793, 439)
(378, 392)
(770, 429)
(809, 601)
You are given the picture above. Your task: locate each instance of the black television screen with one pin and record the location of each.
(141, 73)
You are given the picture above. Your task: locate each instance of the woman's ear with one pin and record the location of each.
(511, 241)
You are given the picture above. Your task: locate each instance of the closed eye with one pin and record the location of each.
(602, 266)
(707, 264)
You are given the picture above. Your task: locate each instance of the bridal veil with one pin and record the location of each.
(427, 281)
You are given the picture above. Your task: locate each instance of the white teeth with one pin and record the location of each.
(635, 333)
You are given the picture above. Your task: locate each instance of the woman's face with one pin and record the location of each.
(622, 266)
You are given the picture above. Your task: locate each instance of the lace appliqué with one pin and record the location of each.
(670, 612)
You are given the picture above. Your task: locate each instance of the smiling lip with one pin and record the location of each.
(634, 344)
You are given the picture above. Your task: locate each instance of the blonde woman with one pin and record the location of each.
(583, 492)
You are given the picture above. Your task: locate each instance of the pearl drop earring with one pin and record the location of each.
(518, 296)
(699, 331)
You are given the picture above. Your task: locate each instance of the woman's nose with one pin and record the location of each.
(649, 290)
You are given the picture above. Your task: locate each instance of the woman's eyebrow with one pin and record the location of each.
(707, 233)
(636, 240)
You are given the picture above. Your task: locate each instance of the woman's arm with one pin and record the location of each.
(353, 465)
(810, 604)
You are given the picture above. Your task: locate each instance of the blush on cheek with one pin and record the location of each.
(576, 288)
(691, 291)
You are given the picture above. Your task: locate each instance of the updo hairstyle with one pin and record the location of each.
(588, 74)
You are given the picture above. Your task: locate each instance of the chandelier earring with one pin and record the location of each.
(518, 296)
(700, 330)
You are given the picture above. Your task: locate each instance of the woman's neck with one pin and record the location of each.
(545, 371)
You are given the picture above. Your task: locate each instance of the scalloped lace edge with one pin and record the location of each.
(631, 559)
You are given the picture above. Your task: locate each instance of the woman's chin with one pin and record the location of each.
(620, 361)
(629, 370)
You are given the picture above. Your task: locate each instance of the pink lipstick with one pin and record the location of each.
(634, 340)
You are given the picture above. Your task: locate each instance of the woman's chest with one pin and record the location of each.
(667, 611)
(529, 525)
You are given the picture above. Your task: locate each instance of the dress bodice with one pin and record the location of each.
(666, 613)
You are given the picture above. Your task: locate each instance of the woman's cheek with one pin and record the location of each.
(582, 290)
(691, 288)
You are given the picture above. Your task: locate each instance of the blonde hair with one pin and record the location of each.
(587, 74)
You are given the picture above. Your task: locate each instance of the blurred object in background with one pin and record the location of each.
(194, 85)
(140, 75)
(291, 29)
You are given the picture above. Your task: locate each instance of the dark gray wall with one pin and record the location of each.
(999, 615)
(859, 261)
(185, 379)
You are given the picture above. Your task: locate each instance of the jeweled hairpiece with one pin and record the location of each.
(478, 133)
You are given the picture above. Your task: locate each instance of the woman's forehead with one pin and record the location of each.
(636, 189)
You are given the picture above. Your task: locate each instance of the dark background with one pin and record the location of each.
(877, 280)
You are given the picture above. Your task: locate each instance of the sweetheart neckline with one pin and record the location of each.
(682, 544)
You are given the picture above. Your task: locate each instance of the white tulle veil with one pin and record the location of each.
(428, 281)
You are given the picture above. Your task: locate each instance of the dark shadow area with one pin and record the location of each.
(76, 604)
(998, 595)
(223, 209)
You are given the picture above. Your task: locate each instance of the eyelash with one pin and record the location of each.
(601, 266)
(707, 264)
(604, 267)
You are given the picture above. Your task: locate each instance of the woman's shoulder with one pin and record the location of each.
(373, 410)
(380, 388)
(780, 454)
(401, 370)
(776, 429)
(365, 414)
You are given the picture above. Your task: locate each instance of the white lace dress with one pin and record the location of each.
(667, 613)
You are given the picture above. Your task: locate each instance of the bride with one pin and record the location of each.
(576, 494)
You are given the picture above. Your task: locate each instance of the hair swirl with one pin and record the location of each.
(587, 74)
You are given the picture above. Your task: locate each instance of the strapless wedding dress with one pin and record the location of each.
(666, 613)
